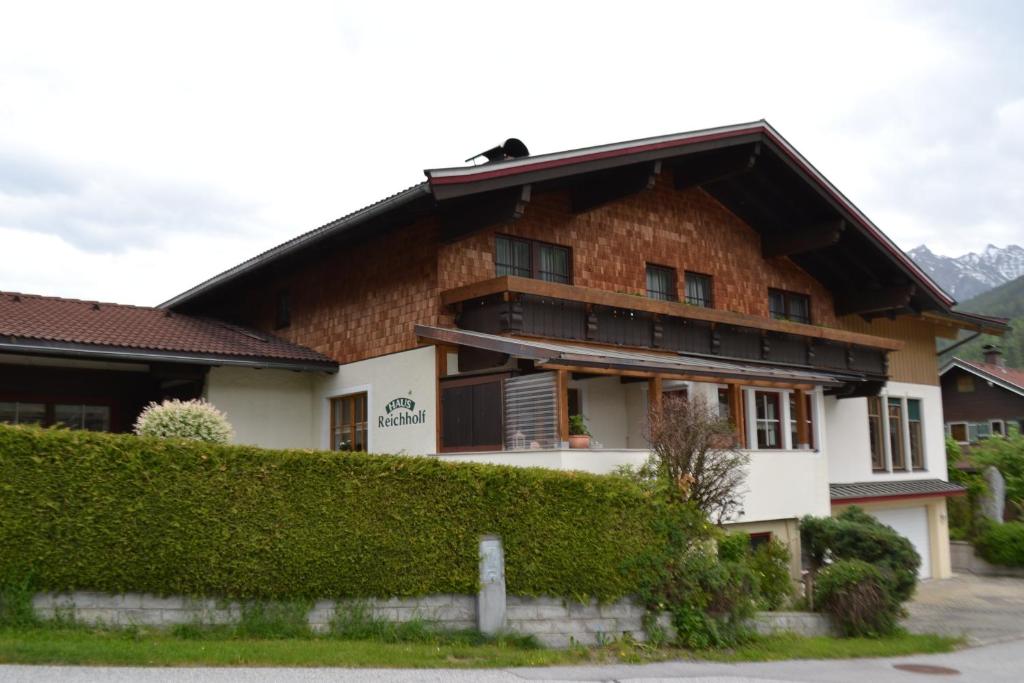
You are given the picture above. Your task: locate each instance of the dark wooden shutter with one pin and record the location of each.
(471, 413)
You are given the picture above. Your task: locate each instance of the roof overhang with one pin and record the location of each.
(135, 355)
(634, 363)
(883, 491)
(982, 324)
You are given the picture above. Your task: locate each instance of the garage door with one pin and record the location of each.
(912, 523)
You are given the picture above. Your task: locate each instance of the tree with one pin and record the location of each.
(695, 455)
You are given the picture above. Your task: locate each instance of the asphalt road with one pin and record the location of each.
(989, 664)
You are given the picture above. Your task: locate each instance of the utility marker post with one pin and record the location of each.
(490, 602)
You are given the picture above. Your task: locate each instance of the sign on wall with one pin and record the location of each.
(400, 412)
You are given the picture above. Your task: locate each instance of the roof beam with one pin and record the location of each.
(708, 168)
(495, 208)
(874, 300)
(801, 241)
(600, 189)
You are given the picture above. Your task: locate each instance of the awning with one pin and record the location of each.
(561, 356)
(877, 491)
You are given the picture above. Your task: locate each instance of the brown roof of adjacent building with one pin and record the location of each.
(1009, 375)
(43, 324)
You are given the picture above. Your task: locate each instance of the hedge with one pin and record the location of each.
(1002, 543)
(115, 513)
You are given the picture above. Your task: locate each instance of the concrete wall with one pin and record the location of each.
(409, 374)
(554, 622)
(849, 449)
(268, 408)
(964, 561)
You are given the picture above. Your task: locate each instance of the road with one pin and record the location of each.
(994, 663)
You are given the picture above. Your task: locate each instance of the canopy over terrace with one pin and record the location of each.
(575, 359)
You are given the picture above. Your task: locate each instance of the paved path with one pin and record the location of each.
(984, 609)
(990, 664)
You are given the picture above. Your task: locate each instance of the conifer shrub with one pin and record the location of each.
(858, 597)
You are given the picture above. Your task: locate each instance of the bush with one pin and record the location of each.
(858, 598)
(194, 419)
(87, 511)
(856, 535)
(1002, 543)
(1006, 454)
(770, 565)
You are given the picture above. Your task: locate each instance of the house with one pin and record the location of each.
(981, 399)
(468, 316)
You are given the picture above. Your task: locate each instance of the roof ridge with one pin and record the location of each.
(90, 302)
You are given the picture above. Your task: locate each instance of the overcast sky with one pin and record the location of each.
(147, 147)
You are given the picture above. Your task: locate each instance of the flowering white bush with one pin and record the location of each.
(194, 419)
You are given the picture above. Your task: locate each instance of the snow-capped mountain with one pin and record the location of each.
(971, 274)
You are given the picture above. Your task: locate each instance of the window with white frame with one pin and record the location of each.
(771, 419)
(896, 434)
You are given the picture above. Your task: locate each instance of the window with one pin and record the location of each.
(698, 289)
(768, 417)
(724, 409)
(784, 305)
(964, 384)
(471, 414)
(958, 430)
(896, 451)
(916, 433)
(997, 427)
(348, 423)
(759, 538)
(792, 421)
(283, 314)
(93, 418)
(875, 433)
(574, 402)
(529, 258)
(661, 283)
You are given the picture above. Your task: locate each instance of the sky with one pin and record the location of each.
(145, 147)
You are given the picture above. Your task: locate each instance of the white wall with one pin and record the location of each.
(849, 448)
(783, 484)
(269, 408)
(603, 402)
(409, 374)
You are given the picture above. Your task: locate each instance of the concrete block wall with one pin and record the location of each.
(964, 561)
(554, 622)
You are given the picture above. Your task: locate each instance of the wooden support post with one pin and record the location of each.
(736, 412)
(654, 395)
(803, 439)
(441, 363)
(562, 391)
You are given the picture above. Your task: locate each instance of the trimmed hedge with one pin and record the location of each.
(1002, 543)
(115, 513)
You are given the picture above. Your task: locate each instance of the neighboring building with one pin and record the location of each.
(981, 399)
(470, 315)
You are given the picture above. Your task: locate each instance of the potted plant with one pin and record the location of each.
(579, 435)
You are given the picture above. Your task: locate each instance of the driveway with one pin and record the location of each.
(985, 609)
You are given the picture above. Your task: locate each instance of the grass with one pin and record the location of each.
(138, 647)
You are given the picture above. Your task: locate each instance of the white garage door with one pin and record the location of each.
(912, 523)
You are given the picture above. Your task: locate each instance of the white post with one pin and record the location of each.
(490, 602)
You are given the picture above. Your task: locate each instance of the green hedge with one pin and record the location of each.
(1002, 543)
(122, 513)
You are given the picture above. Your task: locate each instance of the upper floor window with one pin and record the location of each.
(964, 384)
(896, 434)
(661, 283)
(785, 305)
(349, 423)
(533, 259)
(698, 289)
(768, 416)
(793, 426)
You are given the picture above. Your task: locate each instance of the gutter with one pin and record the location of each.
(113, 353)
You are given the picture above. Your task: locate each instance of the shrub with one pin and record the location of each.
(858, 598)
(1002, 543)
(87, 511)
(1006, 455)
(194, 419)
(770, 565)
(856, 535)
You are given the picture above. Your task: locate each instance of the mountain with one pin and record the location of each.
(967, 276)
(1005, 301)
